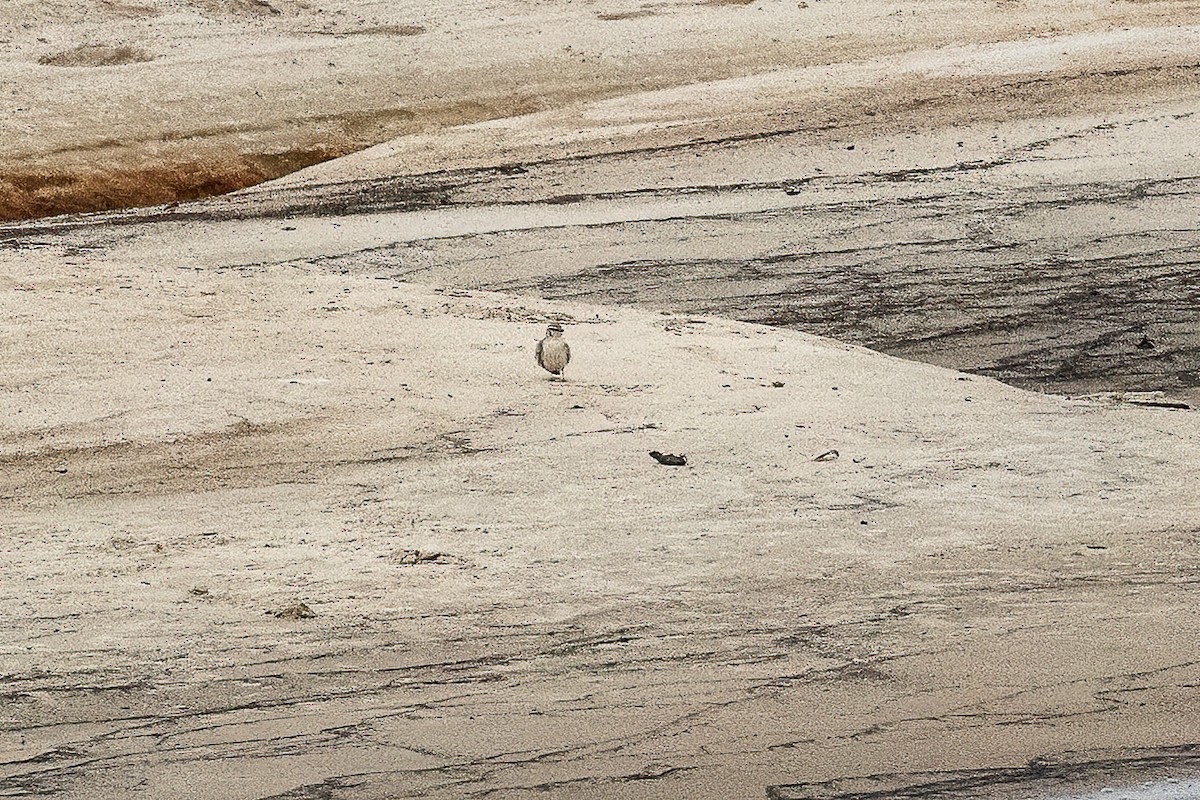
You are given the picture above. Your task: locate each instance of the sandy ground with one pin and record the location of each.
(995, 193)
(321, 391)
(111, 103)
(982, 577)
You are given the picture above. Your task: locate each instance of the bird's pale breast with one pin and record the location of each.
(553, 354)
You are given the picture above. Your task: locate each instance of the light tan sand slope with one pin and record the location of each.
(112, 103)
(982, 576)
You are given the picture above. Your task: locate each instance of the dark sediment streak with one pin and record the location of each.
(1042, 777)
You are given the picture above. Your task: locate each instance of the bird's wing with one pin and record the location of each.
(566, 351)
(537, 353)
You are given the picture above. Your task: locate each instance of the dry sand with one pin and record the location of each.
(111, 103)
(287, 510)
(983, 576)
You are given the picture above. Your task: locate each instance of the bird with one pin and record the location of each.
(552, 352)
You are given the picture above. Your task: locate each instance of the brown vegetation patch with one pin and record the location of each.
(80, 187)
(111, 175)
(96, 55)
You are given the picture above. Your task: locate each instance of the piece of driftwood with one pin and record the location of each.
(669, 459)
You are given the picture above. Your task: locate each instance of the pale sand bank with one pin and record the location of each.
(187, 450)
(1175, 789)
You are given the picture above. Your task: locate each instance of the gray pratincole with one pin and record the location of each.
(552, 352)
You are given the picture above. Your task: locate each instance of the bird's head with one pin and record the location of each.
(554, 329)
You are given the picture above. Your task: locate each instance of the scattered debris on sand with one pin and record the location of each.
(669, 459)
(425, 557)
(297, 611)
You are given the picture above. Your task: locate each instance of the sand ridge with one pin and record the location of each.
(119, 104)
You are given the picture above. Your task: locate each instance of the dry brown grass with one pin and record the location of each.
(204, 162)
(79, 187)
